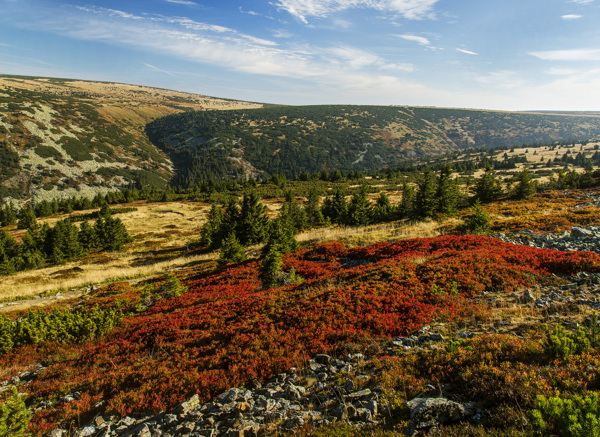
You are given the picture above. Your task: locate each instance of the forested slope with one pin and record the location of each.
(296, 139)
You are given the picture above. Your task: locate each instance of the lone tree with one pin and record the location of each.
(253, 220)
(425, 202)
(488, 188)
(525, 186)
(231, 251)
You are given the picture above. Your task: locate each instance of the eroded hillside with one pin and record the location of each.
(64, 137)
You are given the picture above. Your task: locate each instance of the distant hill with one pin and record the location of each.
(294, 139)
(62, 137)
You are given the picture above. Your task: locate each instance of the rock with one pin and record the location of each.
(340, 412)
(359, 394)
(232, 395)
(349, 386)
(465, 334)
(323, 359)
(58, 433)
(187, 406)
(577, 232)
(427, 412)
(527, 297)
(86, 431)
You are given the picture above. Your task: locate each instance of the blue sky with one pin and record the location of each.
(493, 54)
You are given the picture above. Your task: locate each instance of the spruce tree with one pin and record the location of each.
(252, 225)
(336, 207)
(447, 193)
(211, 235)
(425, 201)
(406, 209)
(231, 251)
(270, 267)
(27, 219)
(383, 211)
(360, 212)
(488, 188)
(313, 213)
(525, 186)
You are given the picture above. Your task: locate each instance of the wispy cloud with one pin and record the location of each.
(182, 2)
(561, 71)
(468, 52)
(415, 38)
(301, 9)
(568, 55)
(254, 13)
(582, 2)
(570, 17)
(183, 38)
(152, 67)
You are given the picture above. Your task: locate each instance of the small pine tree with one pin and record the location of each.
(525, 186)
(488, 188)
(407, 204)
(173, 287)
(27, 219)
(360, 211)
(478, 222)
(447, 192)
(270, 267)
(211, 235)
(425, 200)
(231, 251)
(252, 225)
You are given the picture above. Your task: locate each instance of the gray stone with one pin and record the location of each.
(427, 412)
(86, 431)
(58, 433)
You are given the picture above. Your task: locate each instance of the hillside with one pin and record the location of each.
(292, 140)
(61, 137)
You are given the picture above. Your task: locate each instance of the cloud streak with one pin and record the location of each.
(415, 38)
(568, 55)
(468, 52)
(571, 17)
(301, 9)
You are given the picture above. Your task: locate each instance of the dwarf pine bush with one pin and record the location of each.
(562, 343)
(60, 326)
(577, 417)
(14, 417)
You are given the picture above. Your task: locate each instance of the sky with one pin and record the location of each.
(489, 54)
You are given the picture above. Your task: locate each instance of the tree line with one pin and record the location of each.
(44, 244)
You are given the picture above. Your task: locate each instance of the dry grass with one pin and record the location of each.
(161, 234)
(361, 236)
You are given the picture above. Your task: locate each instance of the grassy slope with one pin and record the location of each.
(78, 137)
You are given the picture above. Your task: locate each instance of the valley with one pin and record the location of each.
(309, 271)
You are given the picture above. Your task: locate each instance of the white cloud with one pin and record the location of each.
(355, 58)
(415, 38)
(582, 2)
(568, 55)
(561, 71)
(468, 52)
(182, 2)
(152, 67)
(571, 17)
(301, 9)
